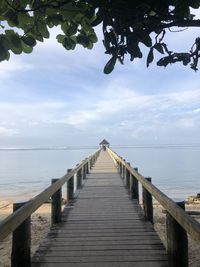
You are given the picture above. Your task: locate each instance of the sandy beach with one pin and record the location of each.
(160, 227)
(41, 225)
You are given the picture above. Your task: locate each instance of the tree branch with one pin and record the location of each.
(183, 23)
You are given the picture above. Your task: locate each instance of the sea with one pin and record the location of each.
(175, 170)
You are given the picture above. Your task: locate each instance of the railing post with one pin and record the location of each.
(120, 167)
(177, 241)
(128, 176)
(70, 187)
(123, 171)
(134, 187)
(147, 203)
(86, 167)
(84, 172)
(56, 205)
(89, 166)
(79, 178)
(117, 163)
(91, 163)
(21, 241)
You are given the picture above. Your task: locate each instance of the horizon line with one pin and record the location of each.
(167, 145)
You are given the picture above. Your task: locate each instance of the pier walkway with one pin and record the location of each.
(103, 226)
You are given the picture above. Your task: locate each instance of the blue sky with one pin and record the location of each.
(54, 97)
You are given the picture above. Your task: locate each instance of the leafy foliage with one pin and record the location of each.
(127, 25)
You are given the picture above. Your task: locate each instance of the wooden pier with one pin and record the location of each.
(102, 227)
(102, 224)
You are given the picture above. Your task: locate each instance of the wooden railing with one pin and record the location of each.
(18, 222)
(178, 222)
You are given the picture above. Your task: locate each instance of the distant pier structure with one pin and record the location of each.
(104, 143)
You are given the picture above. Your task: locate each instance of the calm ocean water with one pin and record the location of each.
(174, 170)
(27, 172)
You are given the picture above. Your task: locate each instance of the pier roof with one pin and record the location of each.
(104, 142)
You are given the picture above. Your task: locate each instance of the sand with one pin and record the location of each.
(41, 225)
(160, 227)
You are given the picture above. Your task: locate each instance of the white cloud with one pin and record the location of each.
(186, 123)
(30, 114)
(13, 66)
(8, 131)
(124, 110)
(197, 110)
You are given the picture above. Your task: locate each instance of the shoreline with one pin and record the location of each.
(41, 221)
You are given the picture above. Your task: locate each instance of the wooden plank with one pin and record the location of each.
(129, 238)
(64, 253)
(107, 228)
(147, 247)
(74, 234)
(100, 242)
(105, 264)
(103, 231)
(94, 259)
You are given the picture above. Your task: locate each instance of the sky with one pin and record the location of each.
(56, 98)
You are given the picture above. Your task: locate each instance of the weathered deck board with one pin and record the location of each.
(102, 228)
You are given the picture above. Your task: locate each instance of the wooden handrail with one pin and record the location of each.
(9, 224)
(191, 226)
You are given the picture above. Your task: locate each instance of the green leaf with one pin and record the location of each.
(5, 41)
(24, 18)
(195, 4)
(79, 17)
(110, 65)
(26, 48)
(159, 48)
(4, 54)
(11, 17)
(29, 40)
(69, 43)
(69, 28)
(42, 27)
(14, 41)
(90, 45)
(146, 39)
(54, 20)
(36, 34)
(164, 61)
(150, 57)
(39, 37)
(23, 3)
(69, 11)
(50, 11)
(60, 38)
(83, 40)
(98, 20)
(134, 50)
(86, 26)
(93, 37)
